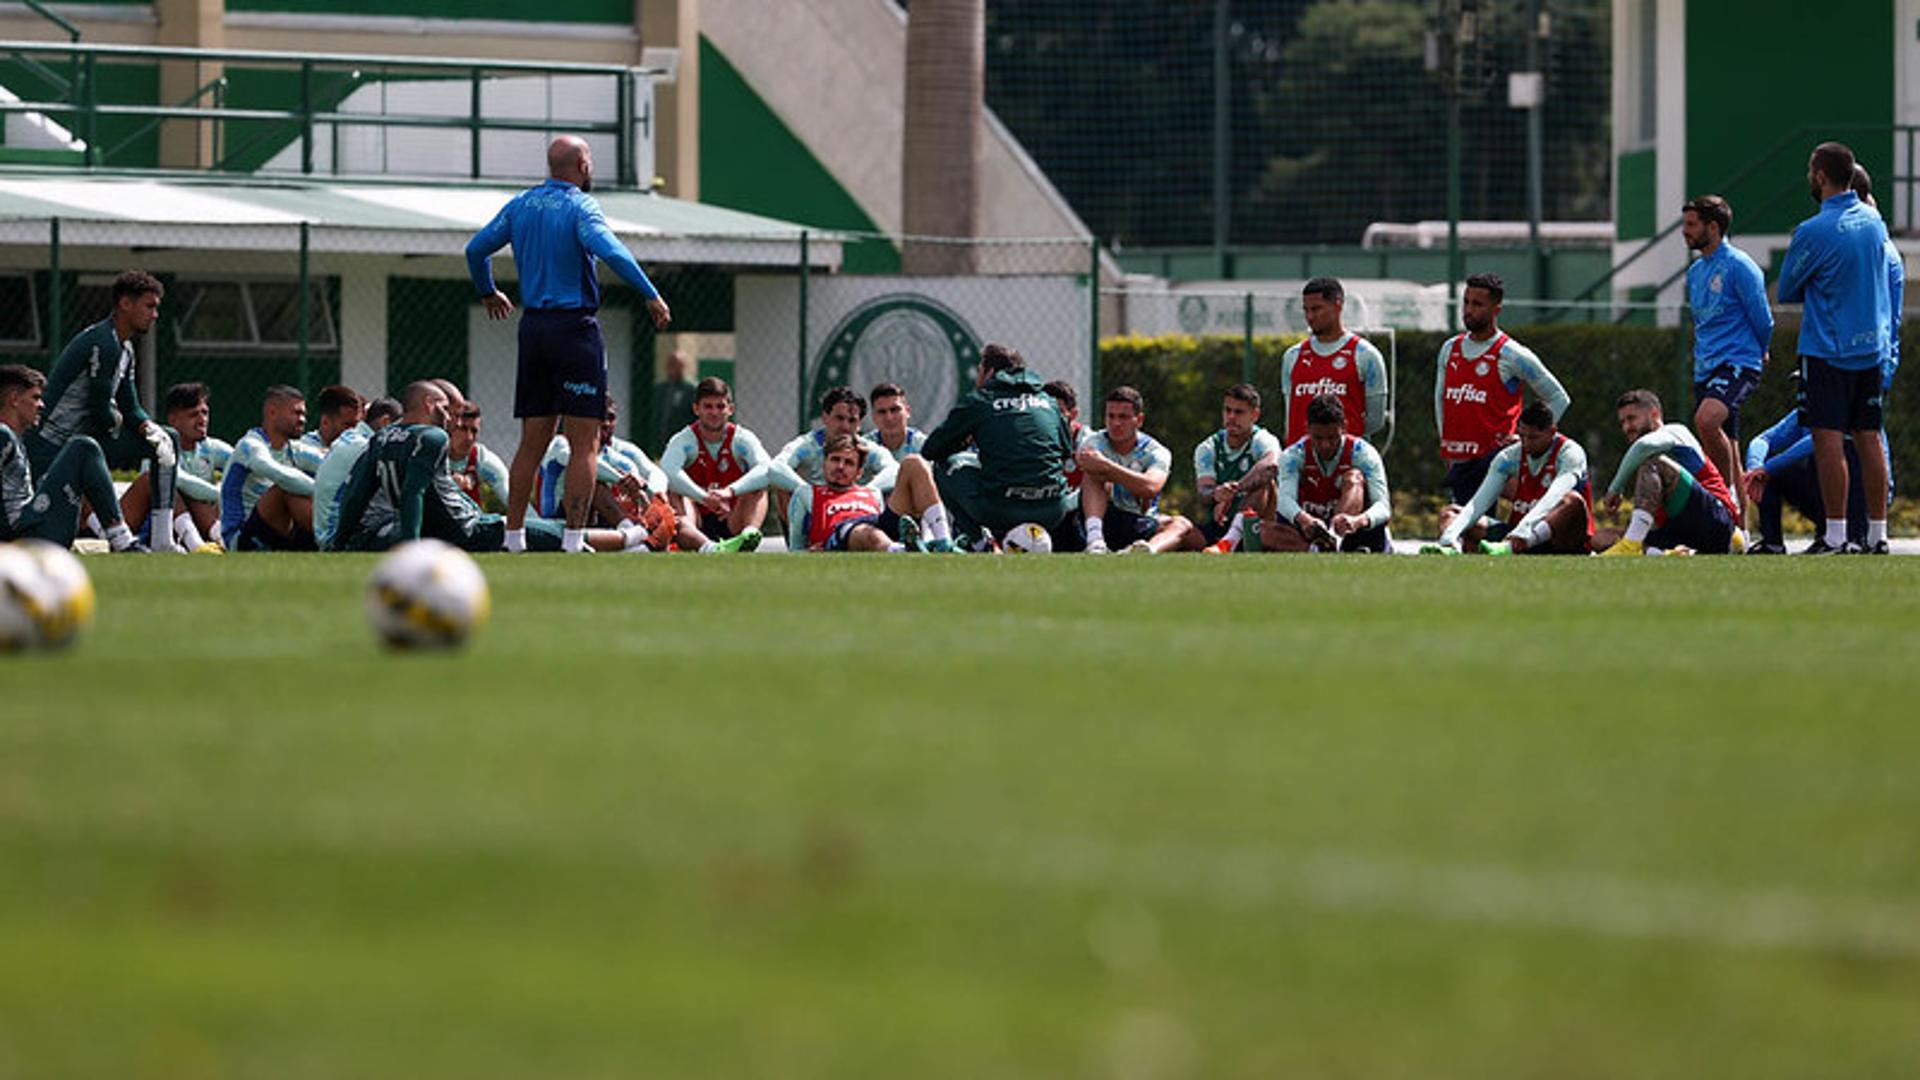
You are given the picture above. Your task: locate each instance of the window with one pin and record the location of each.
(253, 316)
(19, 314)
(1643, 78)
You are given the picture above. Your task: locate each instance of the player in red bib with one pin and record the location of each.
(1476, 389)
(1544, 476)
(706, 456)
(1332, 360)
(1332, 490)
(843, 514)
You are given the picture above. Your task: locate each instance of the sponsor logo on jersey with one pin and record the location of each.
(1455, 446)
(1322, 385)
(904, 338)
(1460, 395)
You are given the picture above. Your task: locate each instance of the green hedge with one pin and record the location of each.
(1183, 379)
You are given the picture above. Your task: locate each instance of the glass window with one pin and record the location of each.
(253, 315)
(19, 315)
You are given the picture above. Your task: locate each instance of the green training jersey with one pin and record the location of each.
(400, 490)
(1019, 431)
(16, 480)
(90, 390)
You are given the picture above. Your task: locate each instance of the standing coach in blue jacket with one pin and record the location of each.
(1837, 266)
(557, 230)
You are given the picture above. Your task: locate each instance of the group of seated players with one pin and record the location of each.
(372, 473)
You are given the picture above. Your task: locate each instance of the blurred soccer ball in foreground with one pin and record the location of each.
(426, 595)
(46, 598)
(1028, 539)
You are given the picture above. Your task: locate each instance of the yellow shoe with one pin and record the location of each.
(1738, 544)
(209, 548)
(1624, 547)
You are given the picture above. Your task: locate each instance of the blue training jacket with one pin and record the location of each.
(556, 231)
(1732, 322)
(1837, 266)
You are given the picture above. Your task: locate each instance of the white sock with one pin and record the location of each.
(1639, 525)
(1836, 532)
(187, 532)
(709, 547)
(94, 526)
(573, 540)
(1540, 533)
(517, 540)
(895, 546)
(119, 537)
(1876, 532)
(1232, 539)
(635, 537)
(160, 530)
(935, 524)
(213, 535)
(1096, 530)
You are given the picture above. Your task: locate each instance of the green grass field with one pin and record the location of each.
(969, 817)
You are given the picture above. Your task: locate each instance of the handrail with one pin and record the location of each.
(1745, 173)
(281, 56)
(315, 105)
(52, 16)
(217, 87)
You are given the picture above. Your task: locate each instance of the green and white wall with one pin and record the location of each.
(1730, 96)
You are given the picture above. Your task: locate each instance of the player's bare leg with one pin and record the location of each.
(1567, 523)
(1284, 537)
(749, 512)
(913, 489)
(1710, 424)
(1470, 539)
(205, 515)
(606, 508)
(138, 499)
(1175, 534)
(536, 433)
(868, 538)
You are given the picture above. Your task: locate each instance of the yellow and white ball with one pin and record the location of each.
(1028, 539)
(46, 598)
(427, 594)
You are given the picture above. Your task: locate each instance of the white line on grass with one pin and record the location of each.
(1479, 893)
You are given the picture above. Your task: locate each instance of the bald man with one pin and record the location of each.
(557, 231)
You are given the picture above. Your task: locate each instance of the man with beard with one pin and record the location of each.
(1732, 329)
(1476, 389)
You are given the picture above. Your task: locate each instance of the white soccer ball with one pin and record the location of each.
(46, 598)
(427, 594)
(1028, 539)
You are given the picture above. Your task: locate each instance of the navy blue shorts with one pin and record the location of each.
(1123, 527)
(1703, 524)
(1730, 386)
(1464, 477)
(1839, 399)
(254, 535)
(886, 521)
(715, 527)
(563, 365)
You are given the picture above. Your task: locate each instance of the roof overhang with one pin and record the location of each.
(372, 219)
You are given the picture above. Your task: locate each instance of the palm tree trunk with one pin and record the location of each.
(940, 167)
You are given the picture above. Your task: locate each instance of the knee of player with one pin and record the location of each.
(86, 444)
(1709, 416)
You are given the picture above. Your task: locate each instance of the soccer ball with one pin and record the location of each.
(1028, 539)
(427, 595)
(46, 598)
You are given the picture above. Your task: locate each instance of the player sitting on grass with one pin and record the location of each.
(1544, 475)
(266, 498)
(1679, 499)
(330, 480)
(1123, 470)
(844, 514)
(480, 472)
(629, 490)
(1780, 473)
(340, 409)
(91, 392)
(51, 510)
(701, 460)
(1234, 471)
(803, 459)
(400, 490)
(892, 422)
(196, 518)
(1332, 489)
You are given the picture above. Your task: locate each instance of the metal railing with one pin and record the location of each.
(80, 98)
